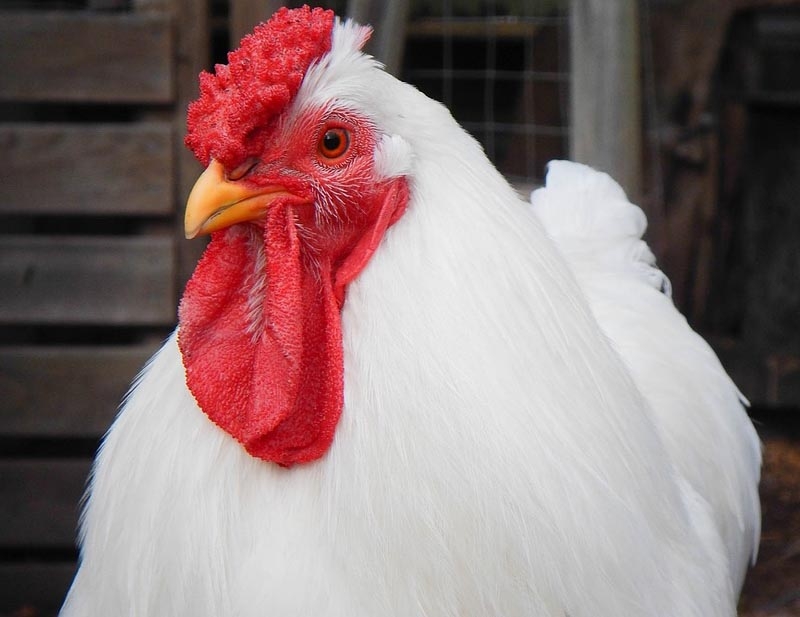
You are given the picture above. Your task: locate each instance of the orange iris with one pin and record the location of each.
(334, 143)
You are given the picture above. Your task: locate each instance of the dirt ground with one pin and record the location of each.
(772, 588)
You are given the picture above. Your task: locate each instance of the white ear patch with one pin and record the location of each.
(393, 157)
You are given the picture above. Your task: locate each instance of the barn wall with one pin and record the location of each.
(92, 103)
(721, 128)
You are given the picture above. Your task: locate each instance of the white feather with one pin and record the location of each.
(494, 455)
(699, 411)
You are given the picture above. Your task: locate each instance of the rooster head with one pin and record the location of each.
(299, 189)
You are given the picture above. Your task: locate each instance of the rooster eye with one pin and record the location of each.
(334, 143)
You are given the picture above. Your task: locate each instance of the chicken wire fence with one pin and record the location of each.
(502, 69)
(500, 66)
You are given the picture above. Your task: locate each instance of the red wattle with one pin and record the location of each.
(260, 330)
(270, 375)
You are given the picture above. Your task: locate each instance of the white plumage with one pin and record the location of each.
(696, 407)
(529, 427)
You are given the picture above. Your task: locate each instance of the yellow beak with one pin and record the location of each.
(216, 203)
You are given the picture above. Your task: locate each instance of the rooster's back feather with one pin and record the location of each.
(699, 411)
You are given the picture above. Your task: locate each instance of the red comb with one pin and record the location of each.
(238, 103)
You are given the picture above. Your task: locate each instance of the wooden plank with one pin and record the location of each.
(107, 5)
(192, 25)
(246, 14)
(34, 589)
(87, 169)
(765, 377)
(87, 280)
(40, 500)
(744, 364)
(783, 381)
(151, 6)
(89, 381)
(86, 57)
(478, 28)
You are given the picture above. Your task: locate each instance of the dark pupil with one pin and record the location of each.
(332, 141)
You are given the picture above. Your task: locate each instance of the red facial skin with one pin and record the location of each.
(260, 326)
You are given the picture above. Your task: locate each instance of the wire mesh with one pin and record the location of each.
(502, 68)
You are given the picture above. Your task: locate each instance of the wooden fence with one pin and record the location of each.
(92, 260)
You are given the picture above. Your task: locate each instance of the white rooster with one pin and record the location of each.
(398, 390)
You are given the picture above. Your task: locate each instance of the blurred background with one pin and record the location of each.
(693, 105)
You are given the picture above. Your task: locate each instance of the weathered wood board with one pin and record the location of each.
(40, 500)
(70, 280)
(92, 114)
(97, 169)
(86, 57)
(90, 381)
(39, 586)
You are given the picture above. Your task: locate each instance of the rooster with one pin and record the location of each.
(397, 388)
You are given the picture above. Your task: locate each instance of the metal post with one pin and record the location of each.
(388, 20)
(605, 104)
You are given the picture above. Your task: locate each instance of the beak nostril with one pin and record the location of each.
(216, 201)
(242, 170)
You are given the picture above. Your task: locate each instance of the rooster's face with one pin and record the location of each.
(299, 189)
(320, 162)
